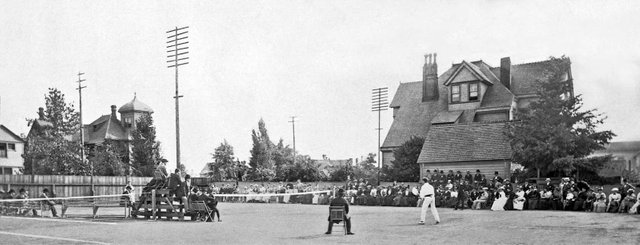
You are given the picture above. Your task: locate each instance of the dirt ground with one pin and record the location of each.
(306, 224)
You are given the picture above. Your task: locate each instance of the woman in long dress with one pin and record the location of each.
(501, 200)
(518, 200)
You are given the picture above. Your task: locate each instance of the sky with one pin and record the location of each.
(316, 60)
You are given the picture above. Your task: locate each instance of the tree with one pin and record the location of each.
(146, 151)
(51, 150)
(224, 166)
(110, 158)
(405, 165)
(554, 133)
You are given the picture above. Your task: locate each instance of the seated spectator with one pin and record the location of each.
(627, 202)
(580, 200)
(556, 199)
(600, 203)
(634, 208)
(614, 201)
(569, 200)
(51, 204)
(500, 200)
(518, 200)
(588, 204)
(482, 198)
(533, 197)
(23, 194)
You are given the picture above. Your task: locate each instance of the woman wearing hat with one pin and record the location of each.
(614, 201)
(634, 208)
(518, 200)
(500, 200)
(600, 204)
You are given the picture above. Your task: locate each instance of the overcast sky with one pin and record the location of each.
(317, 60)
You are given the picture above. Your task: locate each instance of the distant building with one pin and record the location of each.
(462, 113)
(109, 127)
(11, 150)
(106, 127)
(625, 156)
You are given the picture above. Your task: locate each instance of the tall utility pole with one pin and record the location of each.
(80, 87)
(293, 124)
(379, 103)
(177, 57)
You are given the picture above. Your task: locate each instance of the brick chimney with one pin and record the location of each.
(430, 78)
(113, 112)
(505, 72)
(41, 113)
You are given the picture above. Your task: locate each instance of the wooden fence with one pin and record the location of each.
(71, 185)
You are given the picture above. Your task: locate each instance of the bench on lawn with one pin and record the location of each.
(23, 207)
(96, 204)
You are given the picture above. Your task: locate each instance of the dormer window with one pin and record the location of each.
(455, 93)
(473, 91)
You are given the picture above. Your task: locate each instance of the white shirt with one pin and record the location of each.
(425, 190)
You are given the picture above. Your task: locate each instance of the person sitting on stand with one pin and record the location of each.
(339, 201)
(51, 204)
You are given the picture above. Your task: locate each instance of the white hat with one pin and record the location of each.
(614, 189)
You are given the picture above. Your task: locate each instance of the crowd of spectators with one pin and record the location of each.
(19, 208)
(476, 191)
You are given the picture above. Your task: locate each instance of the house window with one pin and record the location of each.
(12, 146)
(473, 91)
(3, 150)
(127, 121)
(455, 93)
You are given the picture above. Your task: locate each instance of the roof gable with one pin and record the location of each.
(467, 72)
(8, 136)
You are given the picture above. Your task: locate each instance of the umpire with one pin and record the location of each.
(339, 201)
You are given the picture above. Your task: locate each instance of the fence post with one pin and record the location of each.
(153, 203)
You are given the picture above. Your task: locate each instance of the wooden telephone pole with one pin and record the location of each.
(177, 57)
(379, 103)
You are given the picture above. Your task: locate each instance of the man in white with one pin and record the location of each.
(427, 194)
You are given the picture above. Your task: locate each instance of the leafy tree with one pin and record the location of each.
(305, 169)
(110, 158)
(51, 151)
(554, 133)
(405, 165)
(65, 120)
(145, 149)
(224, 166)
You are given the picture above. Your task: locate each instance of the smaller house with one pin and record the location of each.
(625, 156)
(11, 150)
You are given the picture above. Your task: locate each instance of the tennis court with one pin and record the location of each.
(258, 223)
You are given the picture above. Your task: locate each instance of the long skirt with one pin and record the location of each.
(498, 204)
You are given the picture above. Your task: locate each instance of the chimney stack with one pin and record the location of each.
(41, 113)
(505, 72)
(113, 112)
(430, 78)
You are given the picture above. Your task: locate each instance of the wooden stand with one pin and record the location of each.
(157, 205)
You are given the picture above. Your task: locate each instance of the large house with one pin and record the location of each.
(11, 150)
(106, 127)
(462, 112)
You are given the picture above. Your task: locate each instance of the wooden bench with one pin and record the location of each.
(95, 205)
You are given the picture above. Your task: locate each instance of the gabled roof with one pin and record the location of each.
(475, 71)
(465, 142)
(524, 77)
(105, 127)
(413, 117)
(15, 137)
(622, 146)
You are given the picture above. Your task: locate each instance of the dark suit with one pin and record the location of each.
(339, 201)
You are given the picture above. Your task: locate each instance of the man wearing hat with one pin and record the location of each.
(339, 201)
(478, 177)
(627, 201)
(427, 194)
(547, 185)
